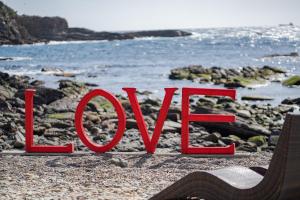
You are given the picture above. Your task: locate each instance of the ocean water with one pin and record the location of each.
(145, 63)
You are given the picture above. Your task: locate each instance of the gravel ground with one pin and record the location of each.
(104, 176)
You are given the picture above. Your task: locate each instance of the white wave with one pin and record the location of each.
(75, 42)
(146, 38)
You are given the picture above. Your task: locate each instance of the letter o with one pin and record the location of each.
(79, 125)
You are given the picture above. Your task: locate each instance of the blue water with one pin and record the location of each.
(146, 62)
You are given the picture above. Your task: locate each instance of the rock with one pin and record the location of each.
(222, 100)
(231, 78)
(274, 69)
(290, 101)
(236, 84)
(131, 124)
(65, 74)
(256, 98)
(51, 70)
(61, 116)
(95, 131)
(6, 92)
(160, 33)
(72, 88)
(292, 54)
(248, 146)
(244, 113)
(228, 140)
(54, 132)
(119, 162)
(91, 84)
(64, 105)
(146, 92)
(43, 95)
(292, 81)
(153, 102)
(258, 140)
(19, 141)
(5, 106)
(172, 124)
(11, 32)
(93, 117)
(214, 137)
(37, 83)
(273, 140)
(5, 58)
(174, 116)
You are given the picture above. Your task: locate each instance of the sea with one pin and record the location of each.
(145, 63)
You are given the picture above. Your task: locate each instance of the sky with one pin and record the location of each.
(118, 15)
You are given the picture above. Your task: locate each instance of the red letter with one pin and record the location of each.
(80, 129)
(150, 144)
(30, 148)
(187, 117)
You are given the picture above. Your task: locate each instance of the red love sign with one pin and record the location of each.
(150, 143)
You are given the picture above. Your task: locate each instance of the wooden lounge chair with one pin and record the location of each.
(280, 181)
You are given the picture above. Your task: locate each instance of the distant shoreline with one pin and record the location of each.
(24, 29)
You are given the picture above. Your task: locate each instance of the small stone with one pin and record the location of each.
(258, 140)
(119, 162)
(20, 141)
(212, 137)
(273, 140)
(95, 130)
(244, 113)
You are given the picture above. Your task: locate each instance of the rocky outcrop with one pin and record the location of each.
(44, 28)
(11, 32)
(231, 78)
(16, 29)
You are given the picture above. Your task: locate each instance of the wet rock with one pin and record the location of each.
(292, 54)
(61, 116)
(290, 101)
(292, 81)
(256, 98)
(230, 78)
(5, 58)
(37, 83)
(258, 140)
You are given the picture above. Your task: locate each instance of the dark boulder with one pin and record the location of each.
(43, 95)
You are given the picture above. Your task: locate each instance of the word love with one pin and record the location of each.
(150, 143)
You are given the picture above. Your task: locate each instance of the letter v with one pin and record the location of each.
(150, 144)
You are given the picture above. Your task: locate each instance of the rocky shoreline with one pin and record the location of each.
(24, 29)
(257, 127)
(245, 77)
